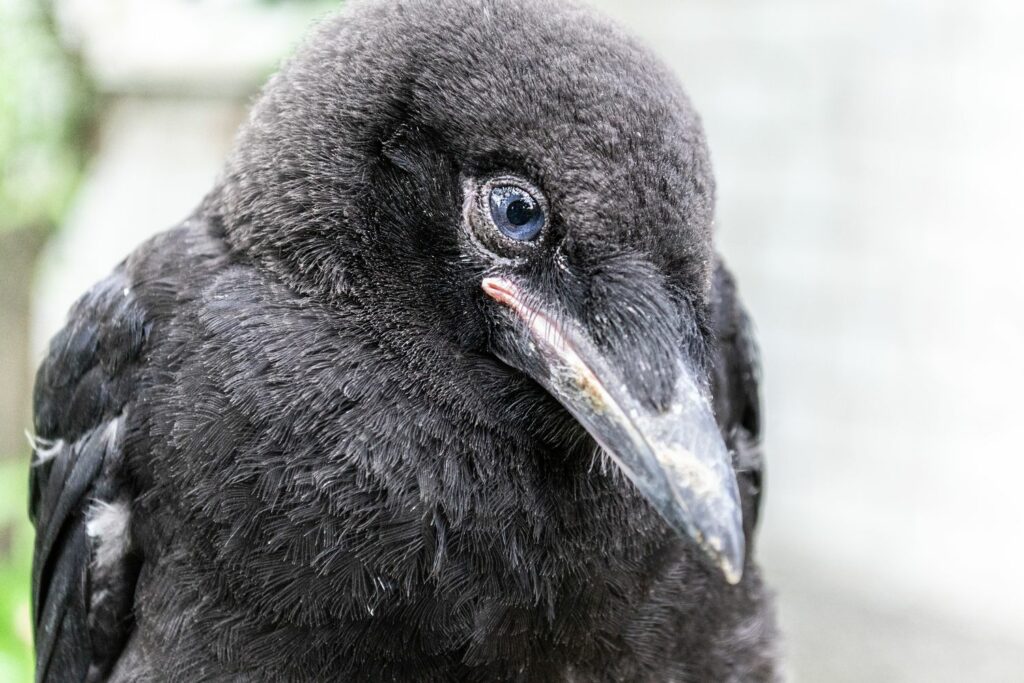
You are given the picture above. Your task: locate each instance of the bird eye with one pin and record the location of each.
(516, 213)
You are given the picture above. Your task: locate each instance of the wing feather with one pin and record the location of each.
(82, 607)
(737, 395)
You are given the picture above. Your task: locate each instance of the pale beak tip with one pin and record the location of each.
(733, 574)
(728, 559)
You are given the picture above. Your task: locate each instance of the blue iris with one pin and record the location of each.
(516, 213)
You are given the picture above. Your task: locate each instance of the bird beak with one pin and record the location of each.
(676, 458)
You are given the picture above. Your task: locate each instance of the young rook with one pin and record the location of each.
(442, 381)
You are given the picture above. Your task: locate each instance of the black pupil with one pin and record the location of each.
(520, 212)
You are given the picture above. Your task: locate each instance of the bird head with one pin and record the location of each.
(520, 181)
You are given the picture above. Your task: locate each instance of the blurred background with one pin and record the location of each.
(869, 159)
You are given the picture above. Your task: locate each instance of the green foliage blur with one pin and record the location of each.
(45, 108)
(15, 562)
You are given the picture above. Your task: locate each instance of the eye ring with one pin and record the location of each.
(507, 214)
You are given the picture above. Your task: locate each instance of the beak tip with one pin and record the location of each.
(728, 559)
(733, 573)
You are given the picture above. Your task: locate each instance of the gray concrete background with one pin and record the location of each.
(868, 156)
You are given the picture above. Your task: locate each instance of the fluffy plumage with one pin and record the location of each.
(324, 447)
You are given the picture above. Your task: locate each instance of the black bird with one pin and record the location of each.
(442, 381)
